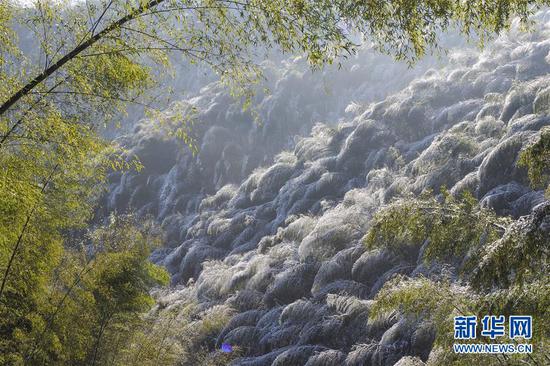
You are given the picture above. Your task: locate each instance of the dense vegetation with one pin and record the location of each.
(92, 302)
(74, 296)
(502, 268)
(537, 160)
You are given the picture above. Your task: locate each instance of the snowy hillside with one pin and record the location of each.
(268, 226)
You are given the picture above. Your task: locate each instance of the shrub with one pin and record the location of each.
(452, 227)
(536, 158)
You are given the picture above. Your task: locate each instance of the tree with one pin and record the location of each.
(536, 158)
(451, 227)
(121, 282)
(98, 298)
(502, 268)
(96, 50)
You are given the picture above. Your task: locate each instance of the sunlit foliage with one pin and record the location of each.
(94, 303)
(536, 158)
(503, 268)
(450, 226)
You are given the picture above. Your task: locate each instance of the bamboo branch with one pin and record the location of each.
(60, 304)
(22, 233)
(25, 90)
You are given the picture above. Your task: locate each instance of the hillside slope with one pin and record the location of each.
(283, 252)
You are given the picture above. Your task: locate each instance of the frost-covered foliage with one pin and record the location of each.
(446, 230)
(537, 160)
(502, 267)
(276, 238)
(230, 143)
